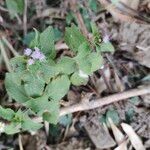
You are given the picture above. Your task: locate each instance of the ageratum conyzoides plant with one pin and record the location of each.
(39, 79)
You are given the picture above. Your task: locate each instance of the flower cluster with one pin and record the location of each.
(34, 55)
(106, 38)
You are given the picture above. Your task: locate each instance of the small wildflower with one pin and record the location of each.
(82, 74)
(106, 39)
(30, 61)
(2, 127)
(36, 54)
(27, 52)
(42, 57)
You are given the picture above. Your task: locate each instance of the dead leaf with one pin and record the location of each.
(73, 97)
(119, 137)
(125, 13)
(100, 84)
(134, 37)
(143, 56)
(122, 146)
(133, 4)
(119, 83)
(134, 138)
(99, 135)
(147, 144)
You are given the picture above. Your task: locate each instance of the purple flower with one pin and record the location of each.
(30, 61)
(106, 38)
(36, 54)
(42, 57)
(27, 52)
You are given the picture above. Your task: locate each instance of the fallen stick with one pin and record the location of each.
(87, 105)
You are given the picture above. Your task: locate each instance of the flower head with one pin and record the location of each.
(27, 52)
(42, 57)
(36, 54)
(2, 127)
(30, 61)
(106, 38)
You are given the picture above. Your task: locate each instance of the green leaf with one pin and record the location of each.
(58, 87)
(74, 38)
(96, 60)
(90, 62)
(85, 65)
(70, 18)
(33, 69)
(20, 6)
(33, 85)
(18, 63)
(129, 114)
(47, 38)
(55, 131)
(35, 41)
(52, 114)
(30, 125)
(12, 7)
(78, 80)
(93, 5)
(28, 38)
(106, 47)
(86, 17)
(14, 87)
(66, 65)
(19, 116)
(15, 6)
(13, 128)
(113, 115)
(6, 113)
(102, 119)
(135, 100)
(96, 34)
(38, 105)
(47, 71)
(65, 120)
(83, 50)
(58, 34)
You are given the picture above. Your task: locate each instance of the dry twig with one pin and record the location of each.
(79, 17)
(105, 101)
(25, 17)
(88, 105)
(123, 12)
